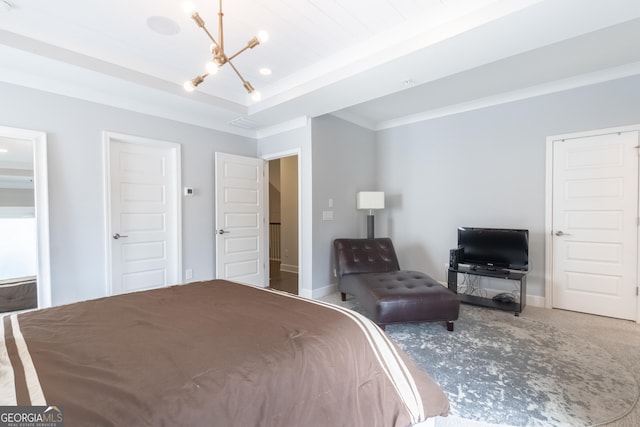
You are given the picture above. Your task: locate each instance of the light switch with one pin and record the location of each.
(327, 215)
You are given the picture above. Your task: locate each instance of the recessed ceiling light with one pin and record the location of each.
(162, 25)
(5, 6)
(3, 150)
(265, 71)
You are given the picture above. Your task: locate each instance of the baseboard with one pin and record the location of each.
(305, 293)
(536, 301)
(320, 292)
(289, 268)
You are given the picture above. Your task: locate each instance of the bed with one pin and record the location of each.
(212, 353)
(18, 294)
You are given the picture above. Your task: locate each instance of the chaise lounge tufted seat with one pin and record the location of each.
(369, 270)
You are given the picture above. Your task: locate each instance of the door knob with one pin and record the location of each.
(561, 233)
(223, 231)
(117, 236)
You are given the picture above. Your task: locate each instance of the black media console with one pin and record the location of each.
(521, 277)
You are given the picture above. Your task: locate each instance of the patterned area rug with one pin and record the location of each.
(503, 369)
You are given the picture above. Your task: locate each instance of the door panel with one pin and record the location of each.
(595, 199)
(144, 205)
(240, 219)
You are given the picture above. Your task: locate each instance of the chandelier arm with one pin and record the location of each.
(219, 55)
(196, 81)
(238, 53)
(221, 34)
(237, 72)
(219, 45)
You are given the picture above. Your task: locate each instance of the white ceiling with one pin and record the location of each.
(379, 63)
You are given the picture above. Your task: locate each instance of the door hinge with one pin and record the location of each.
(636, 291)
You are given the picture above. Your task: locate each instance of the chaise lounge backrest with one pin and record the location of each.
(364, 256)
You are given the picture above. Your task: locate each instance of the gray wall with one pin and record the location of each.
(76, 195)
(337, 160)
(482, 168)
(485, 168)
(344, 159)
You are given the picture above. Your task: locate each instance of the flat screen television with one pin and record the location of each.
(494, 248)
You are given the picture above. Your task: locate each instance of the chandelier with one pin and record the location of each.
(219, 57)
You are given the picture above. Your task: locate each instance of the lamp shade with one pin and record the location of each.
(370, 200)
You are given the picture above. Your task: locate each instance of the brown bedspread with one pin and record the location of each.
(211, 354)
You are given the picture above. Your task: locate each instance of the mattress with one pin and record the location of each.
(18, 294)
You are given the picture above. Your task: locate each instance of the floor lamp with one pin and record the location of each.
(370, 200)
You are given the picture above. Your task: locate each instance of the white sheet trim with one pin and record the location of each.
(7, 380)
(31, 376)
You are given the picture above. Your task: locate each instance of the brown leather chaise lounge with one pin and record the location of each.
(369, 270)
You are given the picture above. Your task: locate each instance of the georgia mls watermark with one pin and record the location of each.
(31, 416)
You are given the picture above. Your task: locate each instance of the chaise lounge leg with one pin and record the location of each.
(344, 296)
(450, 326)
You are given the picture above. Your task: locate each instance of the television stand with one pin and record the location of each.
(521, 277)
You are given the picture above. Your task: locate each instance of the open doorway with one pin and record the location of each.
(25, 203)
(18, 231)
(18, 228)
(283, 224)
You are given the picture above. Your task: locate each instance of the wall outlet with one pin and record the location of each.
(188, 273)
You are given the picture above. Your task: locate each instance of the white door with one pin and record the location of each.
(595, 214)
(240, 218)
(143, 218)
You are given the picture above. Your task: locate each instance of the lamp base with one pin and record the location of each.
(370, 227)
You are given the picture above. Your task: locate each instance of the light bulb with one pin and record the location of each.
(188, 8)
(256, 96)
(212, 67)
(188, 86)
(263, 36)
